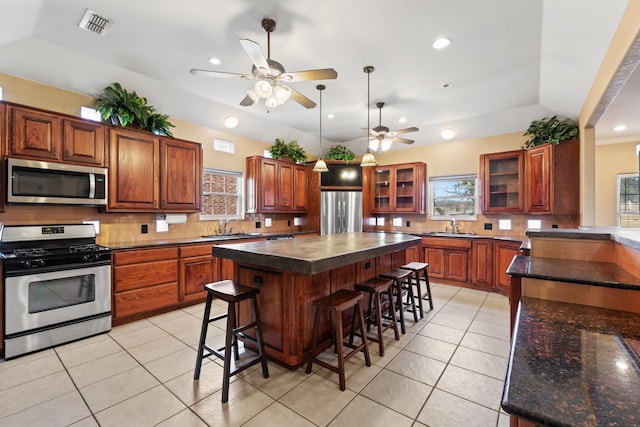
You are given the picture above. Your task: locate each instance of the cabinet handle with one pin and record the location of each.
(257, 280)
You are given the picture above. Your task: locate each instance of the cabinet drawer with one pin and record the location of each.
(195, 250)
(446, 242)
(145, 300)
(145, 255)
(137, 276)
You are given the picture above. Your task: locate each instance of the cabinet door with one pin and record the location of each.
(538, 163)
(383, 190)
(456, 265)
(267, 188)
(504, 253)
(195, 272)
(133, 171)
(502, 180)
(34, 134)
(406, 186)
(285, 186)
(83, 142)
(481, 266)
(300, 188)
(180, 175)
(413, 254)
(435, 258)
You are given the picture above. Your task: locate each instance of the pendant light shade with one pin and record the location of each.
(320, 165)
(368, 160)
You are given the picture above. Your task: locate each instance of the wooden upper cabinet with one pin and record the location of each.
(399, 188)
(133, 170)
(552, 178)
(83, 142)
(180, 175)
(276, 186)
(41, 135)
(33, 134)
(502, 176)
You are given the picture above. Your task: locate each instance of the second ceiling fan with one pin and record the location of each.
(383, 137)
(270, 75)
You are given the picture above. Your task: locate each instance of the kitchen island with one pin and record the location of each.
(291, 274)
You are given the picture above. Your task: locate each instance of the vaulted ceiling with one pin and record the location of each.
(509, 62)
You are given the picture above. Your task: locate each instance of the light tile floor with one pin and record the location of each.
(448, 370)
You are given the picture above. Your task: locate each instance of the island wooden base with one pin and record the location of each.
(285, 302)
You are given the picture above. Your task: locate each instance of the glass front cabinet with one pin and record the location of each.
(399, 188)
(502, 181)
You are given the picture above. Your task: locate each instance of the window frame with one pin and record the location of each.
(240, 194)
(460, 177)
(619, 214)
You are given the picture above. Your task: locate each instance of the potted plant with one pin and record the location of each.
(291, 150)
(340, 152)
(159, 124)
(121, 106)
(550, 129)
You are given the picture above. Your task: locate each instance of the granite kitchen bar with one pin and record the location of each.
(293, 273)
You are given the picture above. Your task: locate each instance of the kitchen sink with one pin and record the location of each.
(231, 236)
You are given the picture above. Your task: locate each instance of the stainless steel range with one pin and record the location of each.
(57, 286)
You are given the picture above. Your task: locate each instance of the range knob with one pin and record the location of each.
(90, 257)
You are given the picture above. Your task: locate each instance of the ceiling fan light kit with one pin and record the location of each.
(270, 75)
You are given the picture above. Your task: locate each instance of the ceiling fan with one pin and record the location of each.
(270, 75)
(383, 137)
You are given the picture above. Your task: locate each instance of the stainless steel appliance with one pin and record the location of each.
(340, 212)
(32, 181)
(57, 286)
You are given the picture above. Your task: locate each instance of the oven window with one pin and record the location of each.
(57, 293)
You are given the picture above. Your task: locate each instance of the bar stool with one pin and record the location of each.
(400, 279)
(336, 303)
(232, 293)
(374, 287)
(416, 268)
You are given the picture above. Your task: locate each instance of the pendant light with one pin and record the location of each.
(367, 159)
(320, 166)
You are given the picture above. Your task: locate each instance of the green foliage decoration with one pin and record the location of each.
(291, 150)
(550, 129)
(340, 152)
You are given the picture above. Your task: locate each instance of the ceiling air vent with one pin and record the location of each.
(95, 23)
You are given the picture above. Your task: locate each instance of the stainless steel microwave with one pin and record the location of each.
(38, 182)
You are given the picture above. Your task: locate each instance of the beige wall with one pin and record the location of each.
(611, 160)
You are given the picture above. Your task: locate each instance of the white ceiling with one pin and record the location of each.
(510, 61)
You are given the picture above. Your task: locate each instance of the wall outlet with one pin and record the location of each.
(554, 225)
(144, 228)
(267, 222)
(408, 223)
(288, 223)
(488, 226)
(258, 225)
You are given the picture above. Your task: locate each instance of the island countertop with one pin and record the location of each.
(312, 255)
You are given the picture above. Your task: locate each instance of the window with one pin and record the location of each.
(628, 201)
(454, 197)
(222, 195)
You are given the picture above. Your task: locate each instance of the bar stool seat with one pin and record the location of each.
(232, 293)
(402, 283)
(336, 303)
(375, 287)
(416, 268)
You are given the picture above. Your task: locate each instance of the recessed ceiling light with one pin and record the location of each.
(447, 85)
(402, 120)
(448, 133)
(620, 128)
(330, 116)
(230, 122)
(441, 43)
(215, 61)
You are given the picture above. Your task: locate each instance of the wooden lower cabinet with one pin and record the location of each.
(503, 255)
(481, 265)
(197, 267)
(448, 258)
(435, 258)
(144, 281)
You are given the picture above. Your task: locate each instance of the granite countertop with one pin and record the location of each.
(574, 365)
(573, 271)
(626, 236)
(313, 255)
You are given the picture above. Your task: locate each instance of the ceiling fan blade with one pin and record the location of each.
(354, 140)
(372, 132)
(401, 131)
(300, 76)
(255, 53)
(402, 140)
(246, 101)
(301, 99)
(223, 74)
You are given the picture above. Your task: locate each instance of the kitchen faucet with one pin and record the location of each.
(224, 229)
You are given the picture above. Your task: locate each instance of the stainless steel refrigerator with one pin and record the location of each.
(340, 212)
